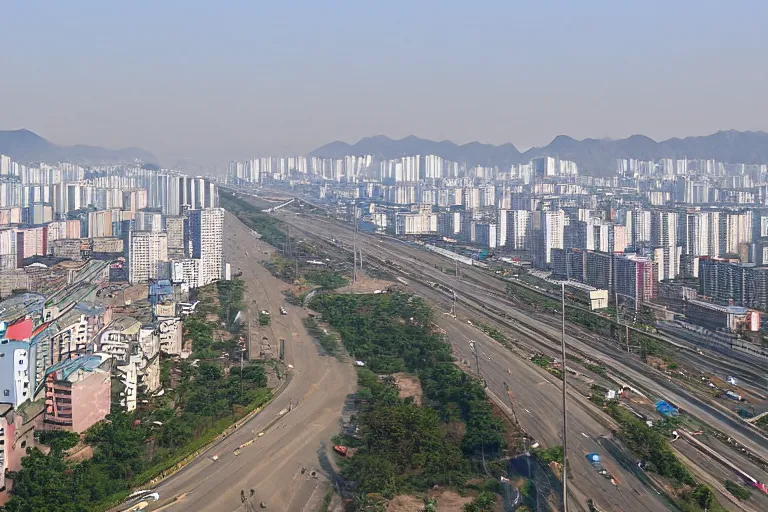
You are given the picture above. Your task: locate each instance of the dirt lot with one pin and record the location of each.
(408, 385)
(447, 501)
(405, 504)
(366, 284)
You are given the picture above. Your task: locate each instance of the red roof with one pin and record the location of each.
(40, 328)
(20, 331)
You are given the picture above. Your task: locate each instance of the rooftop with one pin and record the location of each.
(125, 324)
(69, 369)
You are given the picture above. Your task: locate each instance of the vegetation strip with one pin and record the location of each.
(402, 447)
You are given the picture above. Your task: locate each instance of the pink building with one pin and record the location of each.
(77, 393)
(17, 434)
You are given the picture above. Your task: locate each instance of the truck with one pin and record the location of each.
(594, 461)
(283, 311)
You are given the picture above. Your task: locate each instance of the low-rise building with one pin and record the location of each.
(106, 245)
(70, 248)
(715, 317)
(136, 351)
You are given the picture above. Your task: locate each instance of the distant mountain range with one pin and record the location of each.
(594, 156)
(27, 147)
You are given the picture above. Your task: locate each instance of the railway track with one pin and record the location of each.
(497, 307)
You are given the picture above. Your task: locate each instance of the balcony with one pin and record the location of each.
(53, 420)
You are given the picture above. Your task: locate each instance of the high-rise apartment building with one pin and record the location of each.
(518, 230)
(485, 234)
(501, 228)
(548, 233)
(174, 227)
(636, 277)
(693, 233)
(206, 230)
(664, 239)
(147, 256)
(149, 221)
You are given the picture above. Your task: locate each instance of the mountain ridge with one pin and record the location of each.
(594, 156)
(25, 146)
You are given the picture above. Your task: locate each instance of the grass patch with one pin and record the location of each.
(552, 454)
(326, 279)
(739, 491)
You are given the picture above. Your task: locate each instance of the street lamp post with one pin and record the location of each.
(565, 405)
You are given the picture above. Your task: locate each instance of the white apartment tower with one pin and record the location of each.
(148, 256)
(206, 231)
(664, 238)
(518, 229)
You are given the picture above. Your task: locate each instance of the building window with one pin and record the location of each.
(6, 392)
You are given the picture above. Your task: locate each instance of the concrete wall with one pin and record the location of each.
(91, 400)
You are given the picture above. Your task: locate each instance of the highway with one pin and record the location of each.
(297, 439)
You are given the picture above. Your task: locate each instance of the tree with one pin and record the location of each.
(43, 485)
(703, 496)
(372, 473)
(177, 432)
(59, 440)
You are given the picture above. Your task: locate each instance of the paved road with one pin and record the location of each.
(272, 464)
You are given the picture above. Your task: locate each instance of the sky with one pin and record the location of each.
(214, 81)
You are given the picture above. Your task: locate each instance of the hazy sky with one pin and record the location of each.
(219, 80)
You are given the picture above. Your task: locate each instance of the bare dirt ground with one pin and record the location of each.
(405, 503)
(408, 385)
(449, 501)
(365, 284)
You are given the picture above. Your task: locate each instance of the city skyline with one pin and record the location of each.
(502, 73)
(407, 255)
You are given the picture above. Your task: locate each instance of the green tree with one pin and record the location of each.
(43, 485)
(703, 496)
(177, 432)
(59, 440)
(741, 493)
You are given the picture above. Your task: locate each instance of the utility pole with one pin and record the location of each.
(618, 322)
(457, 267)
(354, 247)
(288, 241)
(565, 407)
(453, 305)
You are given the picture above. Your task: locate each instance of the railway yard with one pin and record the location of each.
(475, 302)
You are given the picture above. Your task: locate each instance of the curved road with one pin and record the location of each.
(271, 465)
